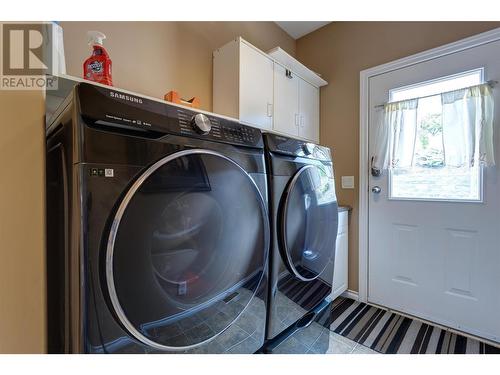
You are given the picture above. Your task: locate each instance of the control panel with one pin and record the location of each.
(216, 128)
(296, 147)
(112, 108)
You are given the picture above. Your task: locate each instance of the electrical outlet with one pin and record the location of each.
(347, 182)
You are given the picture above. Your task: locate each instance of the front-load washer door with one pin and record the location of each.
(187, 250)
(307, 221)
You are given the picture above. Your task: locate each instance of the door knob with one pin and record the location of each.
(376, 189)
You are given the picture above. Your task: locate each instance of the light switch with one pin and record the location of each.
(347, 182)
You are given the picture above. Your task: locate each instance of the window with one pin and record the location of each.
(429, 178)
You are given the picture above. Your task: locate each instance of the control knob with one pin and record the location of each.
(201, 123)
(308, 148)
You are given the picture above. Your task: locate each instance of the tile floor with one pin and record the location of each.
(314, 339)
(317, 339)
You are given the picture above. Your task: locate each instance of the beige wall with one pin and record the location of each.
(339, 51)
(22, 234)
(156, 57)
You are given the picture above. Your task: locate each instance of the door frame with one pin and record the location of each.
(364, 109)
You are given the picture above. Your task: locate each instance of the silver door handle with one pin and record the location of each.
(376, 189)
(269, 110)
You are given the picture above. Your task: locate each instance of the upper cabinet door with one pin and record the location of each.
(286, 101)
(309, 111)
(256, 87)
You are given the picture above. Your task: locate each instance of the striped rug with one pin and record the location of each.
(389, 332)
(306, 294)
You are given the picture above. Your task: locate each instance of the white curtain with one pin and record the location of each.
(467, 116)
(467, 119)
(396, 135)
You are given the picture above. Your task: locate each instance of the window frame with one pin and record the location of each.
(480, 174)
(394, 90)
(390, 197)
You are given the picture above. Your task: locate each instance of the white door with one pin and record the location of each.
(432, 254)
(309, 111)
(256, 88)
(286, 102)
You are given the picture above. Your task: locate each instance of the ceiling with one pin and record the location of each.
(297, 29)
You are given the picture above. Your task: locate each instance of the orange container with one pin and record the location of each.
(174, 97)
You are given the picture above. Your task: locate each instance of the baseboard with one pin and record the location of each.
(350, 294)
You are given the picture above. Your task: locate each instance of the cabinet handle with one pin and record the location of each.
(297, 120)
(301, 121)
(269, 110)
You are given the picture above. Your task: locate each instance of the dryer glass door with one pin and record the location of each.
(187, 250)
(307, 221)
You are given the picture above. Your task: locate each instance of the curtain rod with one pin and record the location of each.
(490, 83)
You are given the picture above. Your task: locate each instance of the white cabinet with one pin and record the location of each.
(256, 87)
(265, 91)
(309, 111)
(336, 271)
(341, 257)
(243, 84)
(296, 105)
(286, 101)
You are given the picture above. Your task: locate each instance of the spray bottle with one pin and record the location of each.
(97, 67)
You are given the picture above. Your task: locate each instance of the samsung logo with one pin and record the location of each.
(128, 98)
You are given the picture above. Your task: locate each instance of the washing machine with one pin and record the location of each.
(304, 220)
(157, 228)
